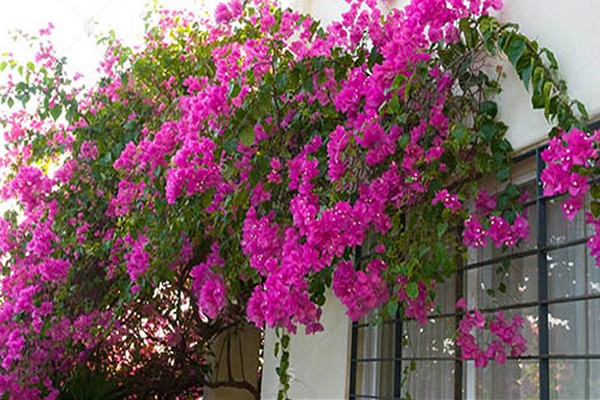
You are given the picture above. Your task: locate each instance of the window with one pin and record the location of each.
(550, 280)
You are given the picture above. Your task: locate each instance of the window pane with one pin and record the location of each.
(445, 296)
(430, 380)
(594, 326)
(519, 279)
(375, 341)
(593, 275)
(558, 229)
(568, 379)
(530, 242)
(566, 272)
(375, 379)
(594, 379)
(567, 325)
(431, 340)
(514, 380)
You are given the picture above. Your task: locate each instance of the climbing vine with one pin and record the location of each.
(236, 169)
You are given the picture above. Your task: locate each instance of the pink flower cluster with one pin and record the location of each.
(506, 335)
(360, 291)
(568, 157)
(209, 288)
(418, 307)
(500, 231)
(565, 157)
(449, 201)
(137, 259)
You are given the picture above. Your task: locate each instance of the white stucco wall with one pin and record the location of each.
(318, 363)
(569, 29)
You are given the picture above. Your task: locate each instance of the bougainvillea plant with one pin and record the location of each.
(236, 169)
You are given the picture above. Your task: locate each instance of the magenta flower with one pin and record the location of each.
(448, 200)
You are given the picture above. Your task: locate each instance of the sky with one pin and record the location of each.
(78, 24)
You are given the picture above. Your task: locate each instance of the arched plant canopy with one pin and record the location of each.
(229, 169)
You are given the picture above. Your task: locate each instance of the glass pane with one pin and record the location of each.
(560, 230)
(594, 380)
(445, 296)
(514, 380)
(375, 378)
(375, 341)
(530, 242)
(567, 324)
(568, 379)
(430, 380)
(431, 340)
(593, 274)
(594, 326)
(519, 280)
(566, 272)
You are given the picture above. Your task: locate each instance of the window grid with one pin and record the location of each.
(543, 357)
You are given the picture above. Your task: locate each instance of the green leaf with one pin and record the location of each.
(247, 135)
(458, 132)
(595, 191)
(502, 287)
(503, 174)
(551, 58)
(595, 208)
(441, 229)
(398, 81)
(490, 108)
(512, 191)
(285, 341)
(547, 89)
(56, 111)
(489, 130)
(403, 141)
(515, 48)
(392, 308)
(526, 71)
(231, 145)
(470, 34)
(308, 85)
(412, 290)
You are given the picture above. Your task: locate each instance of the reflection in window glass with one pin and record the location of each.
(593, 323)
(515, 380)
(519, 279)
(431, 380)
(375, 378)
(445, 293)
(594, 379)
(567, 272)
(568, 379)
(375, 341)
(560, 232)
(567, 325)
(431, 340)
